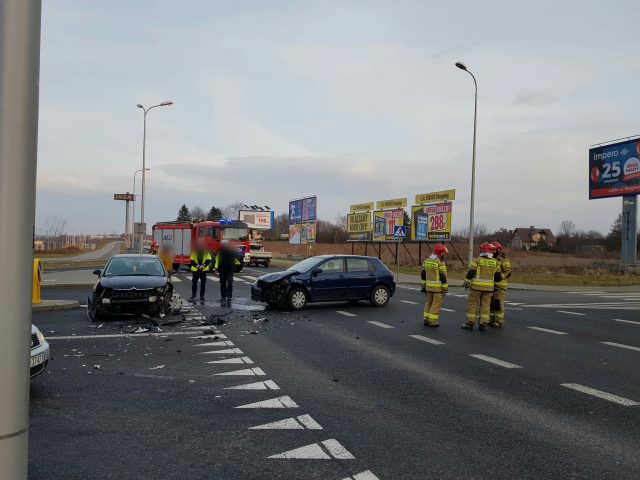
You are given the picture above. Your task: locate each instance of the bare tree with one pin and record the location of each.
(230, 212)
(197, 213)
(567, 229)
(54, 228)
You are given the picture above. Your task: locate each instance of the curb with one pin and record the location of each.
(51, 305)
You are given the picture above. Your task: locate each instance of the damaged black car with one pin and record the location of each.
(327, 278)
(131, 285)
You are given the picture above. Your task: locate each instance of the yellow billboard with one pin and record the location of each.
(435, 197)
(394, 203)
(359, 227)
(431, 222)
(386, 223)
(362, 207)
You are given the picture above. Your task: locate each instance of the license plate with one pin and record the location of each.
(37, 360)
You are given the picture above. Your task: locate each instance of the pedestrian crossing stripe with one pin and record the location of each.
(233, 360)
(315, 451)
(266, 385)
(301, 422)
(366, 475)
(279, 402)
(247, 372)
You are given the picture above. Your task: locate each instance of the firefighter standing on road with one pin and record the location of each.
(480, 280)
(200, 265)
(227, 259)
(434, 284)
(500, 288)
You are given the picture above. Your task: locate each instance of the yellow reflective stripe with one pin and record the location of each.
(479, 281)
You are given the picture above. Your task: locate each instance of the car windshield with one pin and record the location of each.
(305, 265)
(131, 266)
(235, 234)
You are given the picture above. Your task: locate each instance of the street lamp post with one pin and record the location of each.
(144, 147)
(133, 208)
(462, 66)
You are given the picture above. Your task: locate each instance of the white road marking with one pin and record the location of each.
(233, 360)
(175, 280)
(571, 313)
(315, 452)
(514, 303)
(346, 314)
(215, 279)
(540, 329)
(224, 343)
(366, 475)
(208, 337)
(247, 372)
(626, 321)
(408, 288)
(279, 402)
(600, 394)
(226, 351)
(294, 423)
(447, 310)
(622, 345)
(495, 361)
(266, 385)
(116, 335)
(409, 302)
(379, 324)
(590, 292)
(337, 450)
(427, 339)
(250, 277)
(459, 295)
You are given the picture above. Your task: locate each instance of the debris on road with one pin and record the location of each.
(156, 368)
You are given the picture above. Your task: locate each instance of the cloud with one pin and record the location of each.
(534, 98)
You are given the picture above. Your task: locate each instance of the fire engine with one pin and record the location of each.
(178, 237)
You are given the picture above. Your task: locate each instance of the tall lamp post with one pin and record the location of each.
(462, 66)
(133, 207)
(144, 147)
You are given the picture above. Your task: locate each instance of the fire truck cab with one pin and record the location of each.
(178, 238)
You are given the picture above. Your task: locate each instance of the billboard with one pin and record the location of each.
(435, 197)
(302, 233)
(128, 197)
(362, 207)
(359, 227)
(395, 203)
(614, 170)
(431, 222)
(385, 224)
(303, 210)
(257, 220)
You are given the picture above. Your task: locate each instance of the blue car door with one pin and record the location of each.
(331, 282)
(361, 277)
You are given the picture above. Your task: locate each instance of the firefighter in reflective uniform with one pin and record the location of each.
(480, 281)
(500, 288)
(434, 284)
(200, 265)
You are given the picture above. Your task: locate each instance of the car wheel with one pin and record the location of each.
(297, 298)
(380, 296)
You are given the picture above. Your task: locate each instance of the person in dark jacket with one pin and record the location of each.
(226, 261)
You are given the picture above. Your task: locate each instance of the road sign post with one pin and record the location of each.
(19, 77)
(629, 247)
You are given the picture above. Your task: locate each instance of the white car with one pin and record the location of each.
(40, 353)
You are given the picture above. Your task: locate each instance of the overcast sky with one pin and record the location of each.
(354, 101)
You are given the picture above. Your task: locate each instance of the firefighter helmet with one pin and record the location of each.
(498, 247)
(486, 247)
(440, 250)
(154, 246)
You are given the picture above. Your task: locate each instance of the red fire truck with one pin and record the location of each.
(178, 237)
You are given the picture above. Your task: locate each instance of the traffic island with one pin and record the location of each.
(51, 305)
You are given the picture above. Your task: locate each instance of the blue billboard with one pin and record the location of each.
(614, 170)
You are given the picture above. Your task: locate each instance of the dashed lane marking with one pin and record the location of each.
(116, 335)
(600, 394)
(346, 314)
(622, 345)
(540, 329)
(495, 361)
(301, 422)
(586, 293)
(409, 302)
(225, 351)
(571, 313)
(314, 451)
(279, 402)
(427, 339)
(379, 324)
(447, 310)
(233, 360)
(366, 475)
(247, 372)
(266, 385)
(626, 321)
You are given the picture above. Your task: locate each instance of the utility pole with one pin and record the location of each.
(19, 88)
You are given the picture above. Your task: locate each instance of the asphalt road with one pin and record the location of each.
(103, 253)
(360, 392)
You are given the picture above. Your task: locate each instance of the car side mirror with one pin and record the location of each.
(97, 272)
(317, 271)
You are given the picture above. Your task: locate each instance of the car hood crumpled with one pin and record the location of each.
(277, 276)
(129, 282)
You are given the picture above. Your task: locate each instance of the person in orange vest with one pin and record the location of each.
(480, 281)
(500, 288)
(434, 284)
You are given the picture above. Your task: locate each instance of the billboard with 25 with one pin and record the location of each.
(302, 233)
(303, 210)
(257, 220)
(359, 227)
(614, 170)
(385, 223)
(431, 222)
